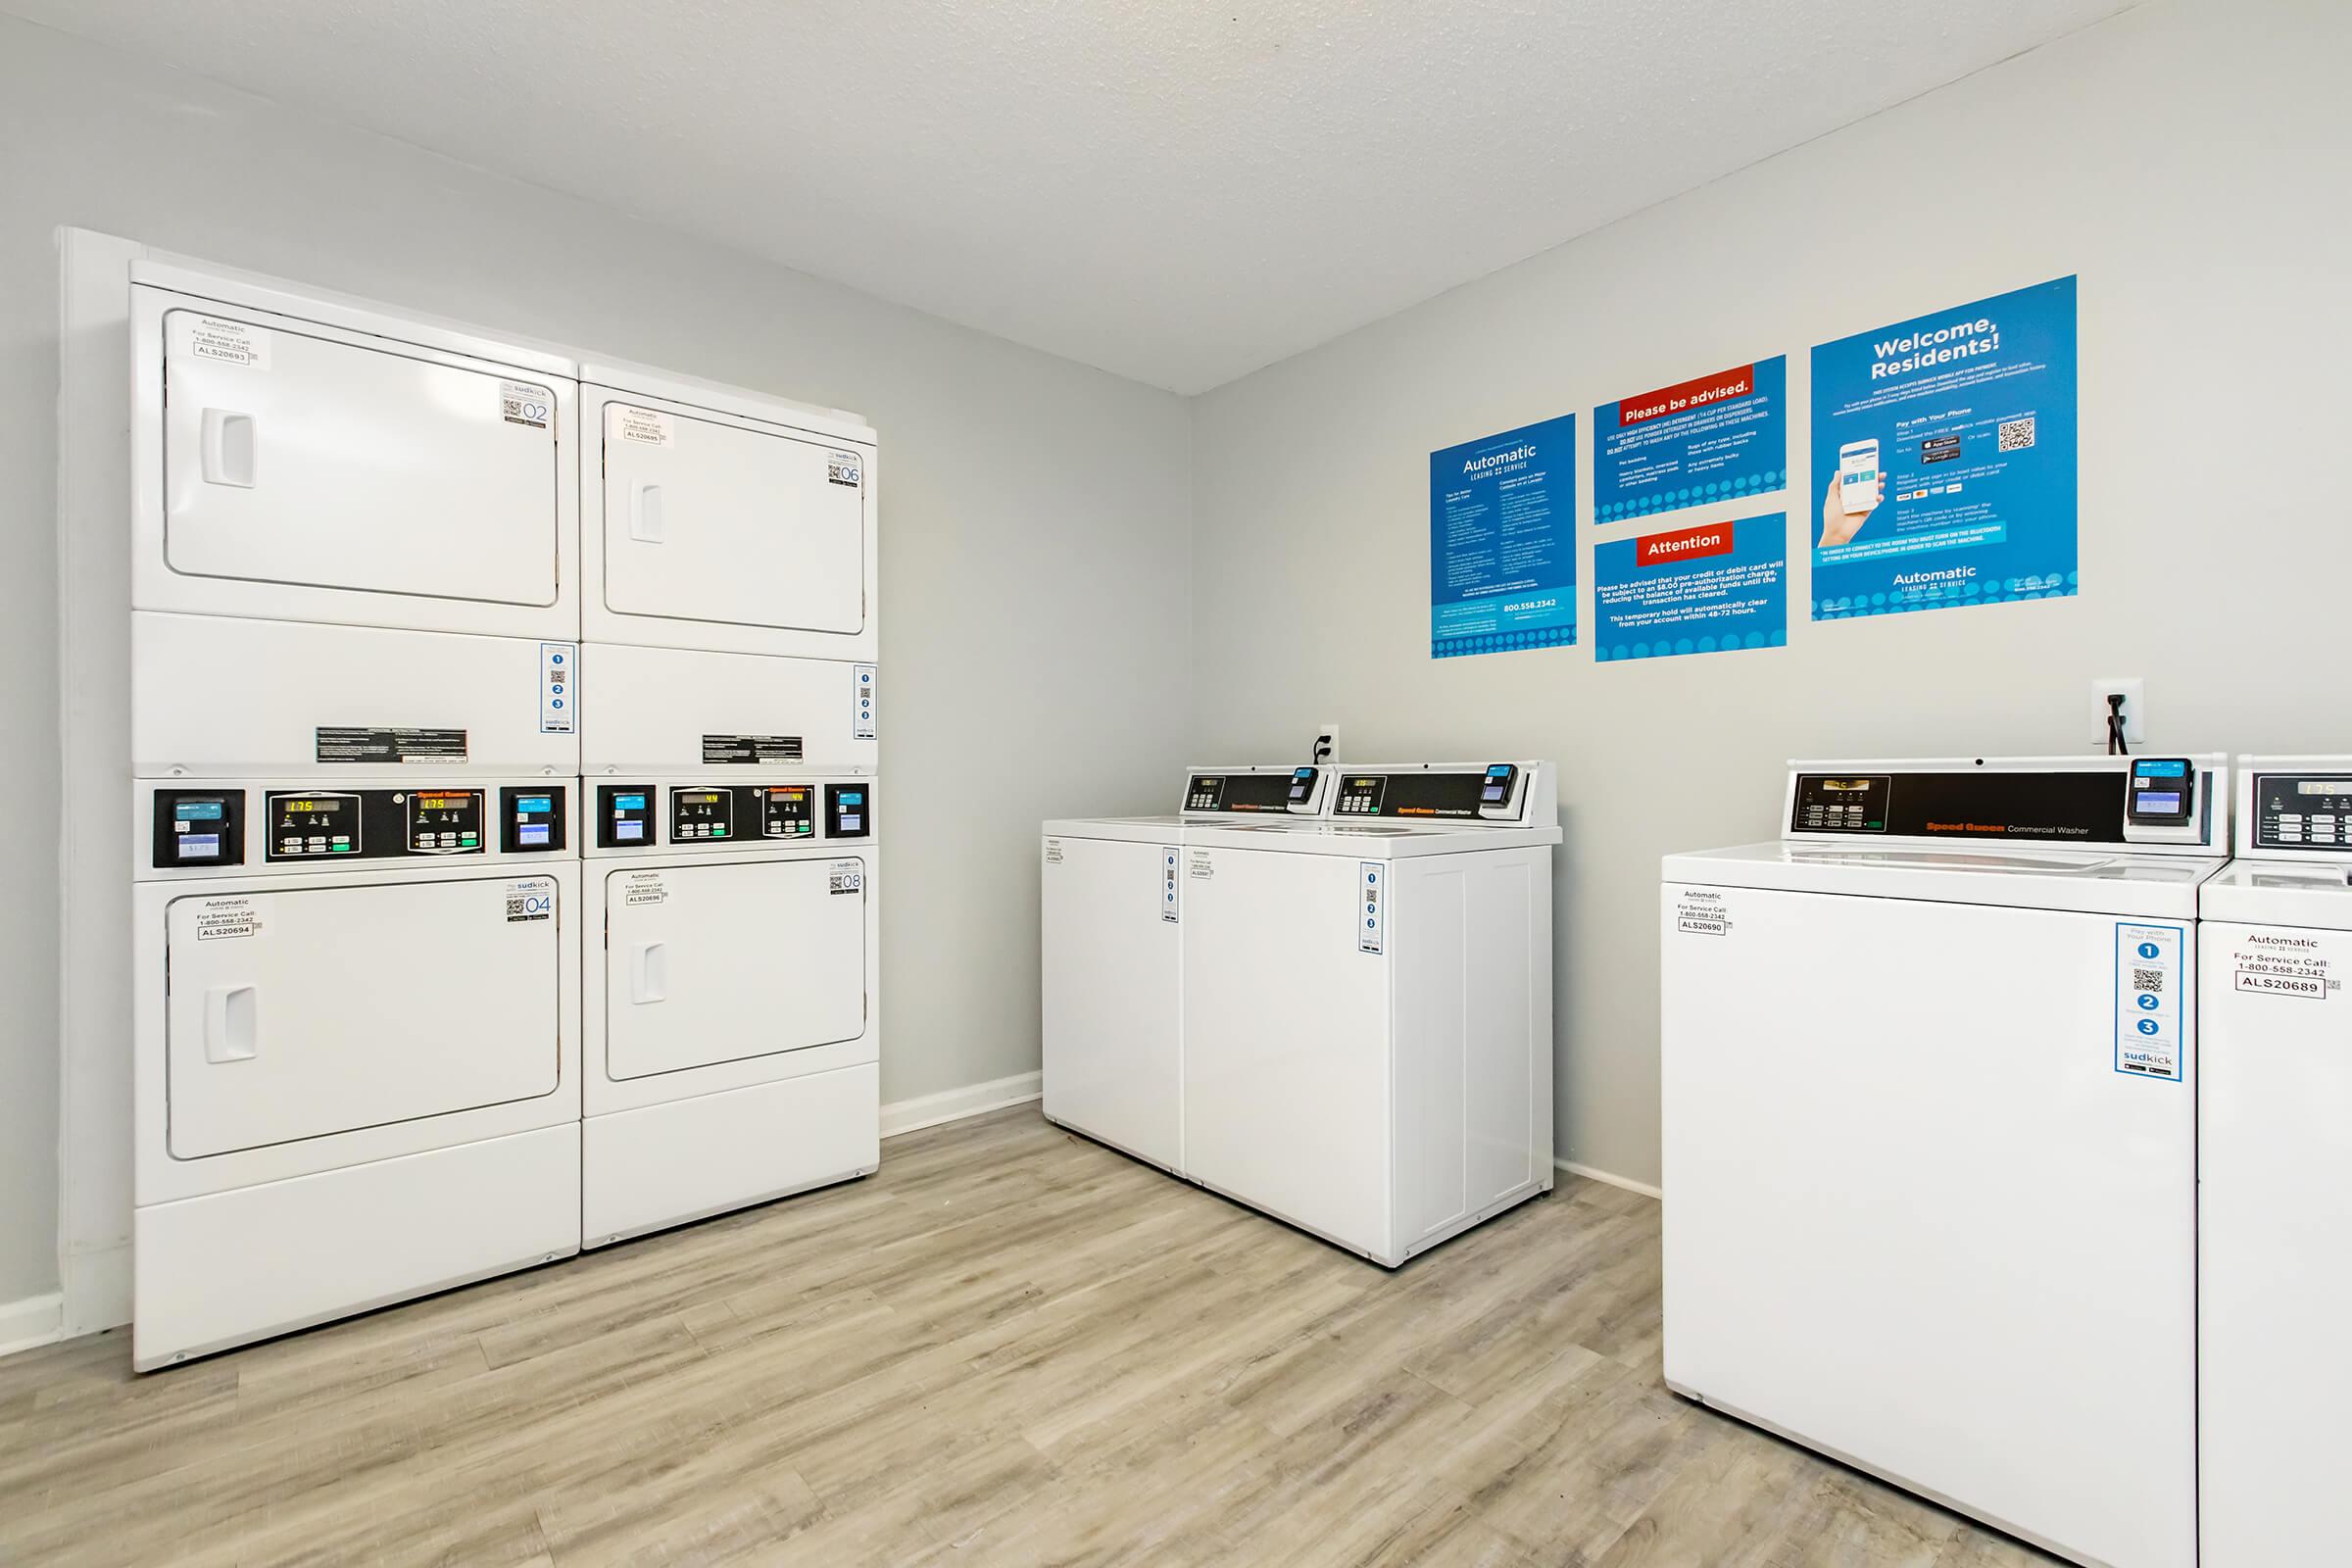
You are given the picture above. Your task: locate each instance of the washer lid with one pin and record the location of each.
(2315, 893)
(2090, 881)
(1369, 841)
(1166, 829)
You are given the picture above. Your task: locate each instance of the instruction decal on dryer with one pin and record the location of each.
(520, 403)
(534, 900)
(751, 748)
(2267, 964)
(1370, 897)
(1169, 904)
(219, 919)
(863, 718)
(230, 342)
(646, 426)
(361, 743)
(2147, 1000)
(558, 687)
(846, 876)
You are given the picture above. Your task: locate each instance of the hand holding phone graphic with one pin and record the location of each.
(1855, 492)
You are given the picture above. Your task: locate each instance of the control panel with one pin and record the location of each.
(1493, 792)
(624, 815)
(788, 812)
(849, 813)
(2163, 792)
(700, 815)
(1298, 792)
(199, 827)
(2303, 812)
(297, 827)
(530, 821)
(1856, 804)
(445, 821)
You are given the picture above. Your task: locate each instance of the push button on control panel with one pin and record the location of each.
(199, 827)
(624, 815)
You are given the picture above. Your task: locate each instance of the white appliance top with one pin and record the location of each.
(1372, 811)
(2087, 881)
(2281, 892)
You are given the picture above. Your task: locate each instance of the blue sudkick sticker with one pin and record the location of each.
(558, 687)
(2147, 1001)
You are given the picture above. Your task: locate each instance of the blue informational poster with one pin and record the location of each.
(1502, 542)
(1943, 459)
(1712, 589)
(1722, 437)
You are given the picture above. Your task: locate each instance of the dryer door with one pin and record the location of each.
(730, 522)
(309, 1011)
(711, 963)
(303, 460)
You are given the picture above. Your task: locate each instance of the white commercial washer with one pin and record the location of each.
(1362, 998)
(2274, 1142)
(1113, 959)
(1930, 1065)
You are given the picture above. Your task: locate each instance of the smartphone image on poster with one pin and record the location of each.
(1858, 475)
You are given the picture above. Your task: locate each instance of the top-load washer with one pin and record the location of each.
(1111, 908)
(1367, 1005)
(716, 519)
(316, 484)
(2274, 1139)
(1929, 1071)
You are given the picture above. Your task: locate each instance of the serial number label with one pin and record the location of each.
(2283, 985)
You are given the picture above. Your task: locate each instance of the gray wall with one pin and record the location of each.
(2189, 160)
(1033, 525)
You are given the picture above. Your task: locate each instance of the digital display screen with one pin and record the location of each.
(325, 805)
(199, 845)
(628, 830)
(853, 798)
(533, 835)
(2156, 802)
(535, 805)
(2323, 786)
(797, 793)
(2164, 768)
(1845, 785)
(198, 810)
(443, 803)
(698, 796)
(628, 803)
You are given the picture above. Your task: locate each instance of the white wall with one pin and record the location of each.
(2189, 160)
(1034, 528)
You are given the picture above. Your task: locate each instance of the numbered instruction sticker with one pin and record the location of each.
(2147, 1000)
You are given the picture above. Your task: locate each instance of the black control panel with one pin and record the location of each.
(445, 822)
(199, 827)
(2163, 792)
(1425, 794)
(2055, 806)
(2303, 812)
(530, 821)
(1855, 803)
(624, 815)
(849, 812)
(313, 826)
(1249, 792)
(699, 816)
(788, 812)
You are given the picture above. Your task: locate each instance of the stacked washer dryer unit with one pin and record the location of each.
(734, 952)
(1929, 1100)
(1341, 1016)
(2274, 1140)
(357, 894)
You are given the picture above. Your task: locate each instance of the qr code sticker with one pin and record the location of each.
(2017, 434)
(2147, 980)
(514, 907)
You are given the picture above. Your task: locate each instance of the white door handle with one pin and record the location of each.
(228, 448)
(228, 1023)
(648, 972)
(646, 524)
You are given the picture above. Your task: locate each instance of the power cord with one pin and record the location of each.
(2116, 745)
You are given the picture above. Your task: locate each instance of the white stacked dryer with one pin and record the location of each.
(2274, 1143)
(733, 957)
(354, 751)
(1326, 994)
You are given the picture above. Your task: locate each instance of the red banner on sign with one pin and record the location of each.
(1684, 396)
(1683, 544)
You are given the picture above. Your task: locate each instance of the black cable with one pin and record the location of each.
(2116, 744)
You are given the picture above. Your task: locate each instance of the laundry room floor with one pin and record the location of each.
(1010, 1346)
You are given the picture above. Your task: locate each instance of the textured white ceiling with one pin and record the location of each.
(1177, 192)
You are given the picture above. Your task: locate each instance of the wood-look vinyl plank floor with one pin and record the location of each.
(1010, 1346)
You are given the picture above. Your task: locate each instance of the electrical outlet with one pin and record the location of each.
(1327, 742)
(2135, 707)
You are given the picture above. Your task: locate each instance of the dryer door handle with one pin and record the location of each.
(229, 1031)
(648, 972)
(646, 524)
(227, 448)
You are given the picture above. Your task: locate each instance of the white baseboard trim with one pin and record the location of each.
(954, 1104)
(35, 1321)
(1610, 1177)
